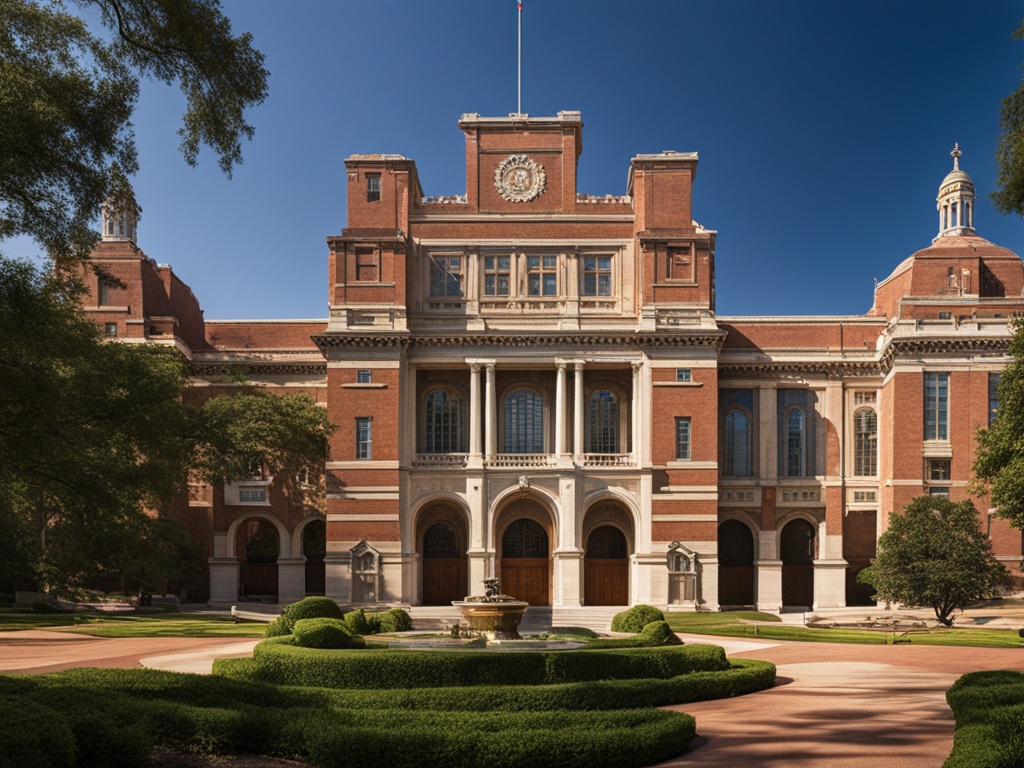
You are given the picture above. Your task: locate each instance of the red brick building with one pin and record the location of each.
(532, 383)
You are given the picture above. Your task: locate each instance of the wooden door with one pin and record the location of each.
(444, 580)
(736, 585)
(526, 579)
(606, 582)
(798, 585)
(257, 579)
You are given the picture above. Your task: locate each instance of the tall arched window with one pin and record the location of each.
(737, 444)
(445, 428)
(796, 452)
(524, 422)
(865, 443)
(604, 422)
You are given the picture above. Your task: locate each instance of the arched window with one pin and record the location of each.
(737, 444)
(604, 422)
(865, 443)
(445, 428)
(796, 453)
(524, 538)
(524, 422)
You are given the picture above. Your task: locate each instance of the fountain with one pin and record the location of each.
(494, 615)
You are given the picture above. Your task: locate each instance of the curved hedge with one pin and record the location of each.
(636, 618)
(654, 635)
(989, 712)
(306, 608)
(325, 633)
(291, 665)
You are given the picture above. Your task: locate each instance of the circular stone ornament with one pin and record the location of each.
(519, 179)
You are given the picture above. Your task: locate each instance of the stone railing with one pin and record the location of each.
(522, 460)
(608, 460)
(441, 459)
(584, 198)
(443, 200)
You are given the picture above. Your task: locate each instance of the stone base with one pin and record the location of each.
(496, 620)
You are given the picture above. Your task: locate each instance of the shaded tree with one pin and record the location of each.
(67, 93)
(1009, 194)
(935, 554)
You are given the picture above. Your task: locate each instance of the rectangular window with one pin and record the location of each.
(597, 276)
(373, 187)
(364, 437)
(104, 292)
(542, 275)
(684, 374)
(682, 438)
(680, 264)
(497, 275)
(864, 398)
(363, 377)
(938, 469)
(252, 494)
(445, 275)
(110, 330)
(993, 396)
(936, 406)
(366, 265)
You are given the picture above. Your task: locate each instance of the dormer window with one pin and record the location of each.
(373, 187)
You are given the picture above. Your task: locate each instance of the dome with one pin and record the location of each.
(955, 201)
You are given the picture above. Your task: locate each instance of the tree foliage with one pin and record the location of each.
(67, 93)
(1009, 194)
(999, 458)
(93, 434)
(935, 554)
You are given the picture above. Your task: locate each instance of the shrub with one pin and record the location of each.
(324, 633)
(395, 620)
(357, 623)
(306, 608)
(654, 635)
(636, 618)
(277, 628)
(41, 606)
(989, 708)
(34, 736)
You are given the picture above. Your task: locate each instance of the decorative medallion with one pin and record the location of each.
(519, 179)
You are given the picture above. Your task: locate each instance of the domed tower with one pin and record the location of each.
(955, 202)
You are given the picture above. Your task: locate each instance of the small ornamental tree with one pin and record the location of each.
(935, 554)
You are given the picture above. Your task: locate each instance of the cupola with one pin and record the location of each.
(120, 218)
(955, 202)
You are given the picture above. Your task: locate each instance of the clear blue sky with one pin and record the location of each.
(823, 128)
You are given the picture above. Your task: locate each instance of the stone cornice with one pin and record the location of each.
(831, 369)
(704, 338)
(942, 347)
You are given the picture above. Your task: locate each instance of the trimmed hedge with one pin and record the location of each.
(989, 712)
(360, 622)
(306, 608)
(654, 635)
(636, 618)
(289, 665)
(325, 633)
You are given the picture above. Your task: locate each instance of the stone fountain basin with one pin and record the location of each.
(496, 619)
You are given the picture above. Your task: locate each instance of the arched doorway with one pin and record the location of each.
(257, 546)
(606, 567)
(526, 562)
(444, 566)
(314, 549)
(797, 550)
(735, 564)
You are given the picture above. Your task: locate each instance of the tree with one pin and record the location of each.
(935, 554)
(1009, 194)
(94, 434)
(67, 94)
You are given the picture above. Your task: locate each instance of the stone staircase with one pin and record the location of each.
(538, 618)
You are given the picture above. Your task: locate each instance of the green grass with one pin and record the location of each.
(132, 625)
(729, 625)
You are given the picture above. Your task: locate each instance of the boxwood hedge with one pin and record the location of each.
(290, 665)
(654, 635)
(636, 618)
(989, 712)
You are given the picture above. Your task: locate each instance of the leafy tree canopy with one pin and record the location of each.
(1009, 194)
(999, 459)
(935, 554)
(93, 434)
(68, 90)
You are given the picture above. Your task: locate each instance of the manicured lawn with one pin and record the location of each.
(132, 625)
(733, 624)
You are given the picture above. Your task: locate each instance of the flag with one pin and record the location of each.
(520, 2)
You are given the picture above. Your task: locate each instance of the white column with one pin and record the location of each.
(577, 424)
(474, 410)
(635, 426)
(560, 411)
(491, 415)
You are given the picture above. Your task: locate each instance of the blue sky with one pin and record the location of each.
(823, 129)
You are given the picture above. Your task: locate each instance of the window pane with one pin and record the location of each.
(524, 422)
(604, 423)
(683, 438)
(737, 444)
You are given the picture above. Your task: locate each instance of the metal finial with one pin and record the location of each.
(956, 156)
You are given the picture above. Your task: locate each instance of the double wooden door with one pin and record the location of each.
(444, 580)
(526, 579)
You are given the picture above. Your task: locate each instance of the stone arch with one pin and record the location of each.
(737, 553)
(798, 549)
(258, 576)
(441, 541)
(312, 552)
(526, 578)
(283, 536)
(628, 503)
(609, 539)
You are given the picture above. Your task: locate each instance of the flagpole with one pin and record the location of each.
(519, 102)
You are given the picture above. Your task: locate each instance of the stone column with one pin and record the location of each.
(474, 414)
(577, 423)
(291, 579)
(560, 412)
(491, 415)
(223, 581)
(635, 414)
(769, 585)
(338, 571)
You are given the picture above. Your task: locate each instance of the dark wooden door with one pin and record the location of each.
(257, 579)
(316, 578)
(606, 582)
(798, 585)
(736, 585)
(444, 580)
(798, 549)
(526, 579)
